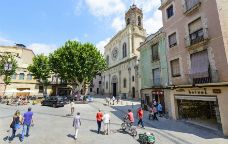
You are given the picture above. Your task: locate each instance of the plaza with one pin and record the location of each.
(54, 126)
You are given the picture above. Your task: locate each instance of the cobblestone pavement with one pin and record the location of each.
(171, 131)
(52, 126)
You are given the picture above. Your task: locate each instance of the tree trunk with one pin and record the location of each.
(4, 90)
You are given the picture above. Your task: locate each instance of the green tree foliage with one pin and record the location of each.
(11, 70)
(40, 69)
(77, 63)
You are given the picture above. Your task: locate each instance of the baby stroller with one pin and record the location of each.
(147, 138)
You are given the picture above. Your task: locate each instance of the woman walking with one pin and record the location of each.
(15, 125)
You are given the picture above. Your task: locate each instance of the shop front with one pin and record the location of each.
(204, 106)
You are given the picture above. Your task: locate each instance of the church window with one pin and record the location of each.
(128, 21)
(107, 60)
(139, 21)
(125, 83)
(124, 50)
(106, 85)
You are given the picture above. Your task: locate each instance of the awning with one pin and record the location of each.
(199, 98)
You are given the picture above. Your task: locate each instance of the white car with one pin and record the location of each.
(89, 98)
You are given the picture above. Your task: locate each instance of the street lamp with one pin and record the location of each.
(8, 66)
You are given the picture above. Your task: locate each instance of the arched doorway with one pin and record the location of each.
(133, 92)
(114, 85)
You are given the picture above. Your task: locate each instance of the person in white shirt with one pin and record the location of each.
(113, 99)
(72, 107)
(106, 120)
(76, 124)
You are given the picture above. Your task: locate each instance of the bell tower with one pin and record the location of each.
(134, 16)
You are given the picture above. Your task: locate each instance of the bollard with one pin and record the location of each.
(132, 105)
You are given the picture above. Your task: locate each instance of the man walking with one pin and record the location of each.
(113, 99)
(155, 113)
(76, 125)
(106, 120)
(99, 120)
(160, 109)
(140, 117)
(27, 122)
(72, 107)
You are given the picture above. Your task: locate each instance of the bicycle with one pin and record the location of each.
(127, 126)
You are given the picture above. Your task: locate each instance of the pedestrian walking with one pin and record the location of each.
(113, 99)
(99, 120)
(140, 117)
(130, 117)
(27, 122)
(15, 124)
(76, 124)
(72, 107)
(106, 120)
(155, 113)
(160, 111)
(151, 113)
(154, 102)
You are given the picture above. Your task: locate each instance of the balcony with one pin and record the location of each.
(156, 82)
(164, 3)
(197, 38)
(190, 6)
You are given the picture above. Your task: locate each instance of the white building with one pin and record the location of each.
(121, 78)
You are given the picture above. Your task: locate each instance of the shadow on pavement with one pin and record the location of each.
(167, 124)
(70, 136)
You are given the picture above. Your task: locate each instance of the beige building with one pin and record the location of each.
(121, 77)
(197, 47)
(95, 87)
(22, 80)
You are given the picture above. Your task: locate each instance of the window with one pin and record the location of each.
(155, 55)
(21, 76)
(175, 68)
(190, 4)
(106, 85)
(91, 89)
(169, 11)
(124, 50)
(156, 77)
(139, 21)
(125, 83)
(200, 67)
(128, 21)
(133, 78)
(29, 77)
(41, 90)
(172, 40)
(107, 60)
(99, 82)
(196, 31)
(14, 76)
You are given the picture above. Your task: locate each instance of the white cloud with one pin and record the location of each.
(6, 42)
(148, 5)
(100, 45)
(39, 48)
(118, 23)
(105, 7)
(153, 23)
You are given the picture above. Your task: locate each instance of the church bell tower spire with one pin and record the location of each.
(134, 16)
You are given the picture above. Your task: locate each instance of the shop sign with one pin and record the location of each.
(180, 90)
(198, 91)
(217, 91)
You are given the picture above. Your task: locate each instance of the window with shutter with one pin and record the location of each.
(175, 68)
(155, 55)
(191, 3)
(172, 40)
(156, 77)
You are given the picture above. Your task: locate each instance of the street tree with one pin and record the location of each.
(8, 66)
(41, 71)
(77, 63)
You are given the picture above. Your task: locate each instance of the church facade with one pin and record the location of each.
(121, 78)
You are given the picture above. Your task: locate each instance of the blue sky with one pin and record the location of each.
(44, 25)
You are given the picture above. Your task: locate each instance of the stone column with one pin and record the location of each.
(136, 82)
(109, 84)
(129, 79)
(119, 82)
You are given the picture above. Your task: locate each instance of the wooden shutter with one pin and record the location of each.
(195, 26)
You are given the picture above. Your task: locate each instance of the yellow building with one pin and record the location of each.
(22, 83)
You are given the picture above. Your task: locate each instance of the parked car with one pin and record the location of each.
(54, 101)
(89, 98)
